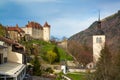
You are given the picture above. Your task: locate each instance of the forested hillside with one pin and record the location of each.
(111, 27)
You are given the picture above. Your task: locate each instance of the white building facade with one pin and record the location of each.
(12, 66)
(98, 45)
(36, 31)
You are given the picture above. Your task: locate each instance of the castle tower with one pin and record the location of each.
(46, 32)
(98, 41)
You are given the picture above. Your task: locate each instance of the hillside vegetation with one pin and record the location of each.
(2, 30)
(41, 48)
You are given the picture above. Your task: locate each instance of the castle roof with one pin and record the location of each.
(15, 29)
(34, 25)
(46, 25)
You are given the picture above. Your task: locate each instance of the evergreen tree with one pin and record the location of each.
(58, 54)
(36, 67)
(103, 67)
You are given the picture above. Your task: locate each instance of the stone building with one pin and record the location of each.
(15, 33)
(37, 31)
(12, 61)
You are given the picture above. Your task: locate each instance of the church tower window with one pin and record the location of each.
(98, 40)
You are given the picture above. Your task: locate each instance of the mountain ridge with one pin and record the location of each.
(111, 27)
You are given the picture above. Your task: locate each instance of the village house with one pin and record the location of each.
(37, 31)
(12, 60)
(15, 33)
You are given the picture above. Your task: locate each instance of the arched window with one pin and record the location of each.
(98, 40)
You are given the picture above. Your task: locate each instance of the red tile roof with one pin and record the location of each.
(15, 29)
(46, 25)
(34, 25)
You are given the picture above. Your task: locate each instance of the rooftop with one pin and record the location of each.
(34, 25)
(11, 69)
(46, 25)
(15, 29)
(9, 41)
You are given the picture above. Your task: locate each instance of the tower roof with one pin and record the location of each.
(99, 31)
(16, 28)
(33, 25)
(46, 25)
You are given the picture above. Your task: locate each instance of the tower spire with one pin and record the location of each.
(99, 22)
(99, 15)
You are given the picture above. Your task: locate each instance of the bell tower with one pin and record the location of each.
(98, 41)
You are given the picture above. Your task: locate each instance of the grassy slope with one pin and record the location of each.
(77, 76)
(45, 46)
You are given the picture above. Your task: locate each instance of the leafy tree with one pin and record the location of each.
(36, 67)
(2, 30)
(82, 53)
(51, 56)
(58, 54)
(103, 69)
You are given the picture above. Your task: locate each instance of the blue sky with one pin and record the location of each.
(66, 17)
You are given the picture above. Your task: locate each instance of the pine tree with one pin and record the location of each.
(36, 67)
(103, 69)
(58, 54)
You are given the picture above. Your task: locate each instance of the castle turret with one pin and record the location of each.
(46, 32)
(98, 41)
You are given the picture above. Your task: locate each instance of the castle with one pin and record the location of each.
(33, 29)
(36, 31)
